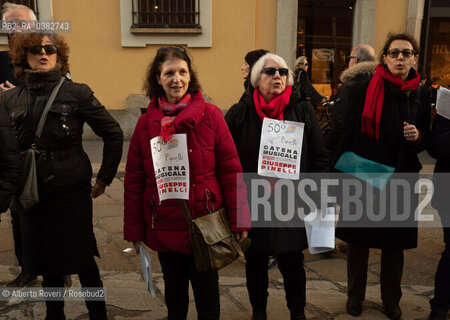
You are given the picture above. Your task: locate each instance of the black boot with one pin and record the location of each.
(259, 315)
(353, 308)
(393, 312)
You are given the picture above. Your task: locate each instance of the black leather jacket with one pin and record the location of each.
(60, 144)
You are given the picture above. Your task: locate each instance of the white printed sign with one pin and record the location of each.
(443, 102)
(171, 165)
(280, 149)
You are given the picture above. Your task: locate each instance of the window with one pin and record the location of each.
(166, 14)
(32, 4)
(166, 22)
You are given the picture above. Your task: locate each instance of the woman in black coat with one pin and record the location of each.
(439, 148)
(272, 98)
(249, 60)
(387, 122)
(57, 232)
(9, 161)
(303, 86)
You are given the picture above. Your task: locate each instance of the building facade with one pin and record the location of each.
(112, 42)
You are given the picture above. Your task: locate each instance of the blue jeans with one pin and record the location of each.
(441, 301)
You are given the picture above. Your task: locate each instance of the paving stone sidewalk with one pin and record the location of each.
(127, 297)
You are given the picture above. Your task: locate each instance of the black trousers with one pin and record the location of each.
(89, 277)
(392, 260)
(441, 300)
(291, 267)
(17, 236)
(177, 270)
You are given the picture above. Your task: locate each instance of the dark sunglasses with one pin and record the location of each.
(168, 49)
(271, 71)
(407, 53)
(49, 49)
(305, 64)
(348, 58)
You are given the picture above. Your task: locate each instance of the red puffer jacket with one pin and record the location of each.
(213, 162)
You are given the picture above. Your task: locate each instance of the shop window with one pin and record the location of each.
(439, 51)
(325, 37)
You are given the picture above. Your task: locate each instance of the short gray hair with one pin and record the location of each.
(363, 53)
(259, 66)
(8, 6)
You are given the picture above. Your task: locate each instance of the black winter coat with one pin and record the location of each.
(245, 127)
(350, 77)
(57, 232)
(61, 139)
(439, 148)
(9, 161)
(6, 69)
(305, 89)
(391, 149)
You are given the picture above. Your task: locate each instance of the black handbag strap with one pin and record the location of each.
(47, 108)
(184, 208)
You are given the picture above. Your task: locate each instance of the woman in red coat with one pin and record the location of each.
(177, 107)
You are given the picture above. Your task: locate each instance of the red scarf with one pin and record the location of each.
(171, 111)
(375, 97)
(275, 108)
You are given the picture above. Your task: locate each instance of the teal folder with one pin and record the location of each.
(372, 172)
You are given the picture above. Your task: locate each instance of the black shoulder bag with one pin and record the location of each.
(29, 195)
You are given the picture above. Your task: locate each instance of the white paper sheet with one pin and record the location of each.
(443, 102)
(171, 165)
(280, 149)
(147, 270)
(320, 231)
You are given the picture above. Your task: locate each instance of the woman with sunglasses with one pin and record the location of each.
(302, 85)
(387, 120)
(177, 107)
(57, 232)
(273, 98)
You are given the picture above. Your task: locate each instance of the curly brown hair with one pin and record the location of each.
(151, 86)
(20, 43)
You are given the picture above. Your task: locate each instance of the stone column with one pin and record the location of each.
(364, 22)
(287, 20)
(414, 18)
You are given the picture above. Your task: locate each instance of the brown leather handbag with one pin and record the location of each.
(213, 244)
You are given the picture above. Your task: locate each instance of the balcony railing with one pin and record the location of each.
(166, 14)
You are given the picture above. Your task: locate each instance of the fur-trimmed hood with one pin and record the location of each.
(360, 70)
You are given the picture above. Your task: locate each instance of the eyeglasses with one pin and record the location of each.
(348, 58)
(304, 64)
(407, 53)
(49, 49)
(271, 71)
(167, 49)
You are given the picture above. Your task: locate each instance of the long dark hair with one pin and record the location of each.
(151, 86)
